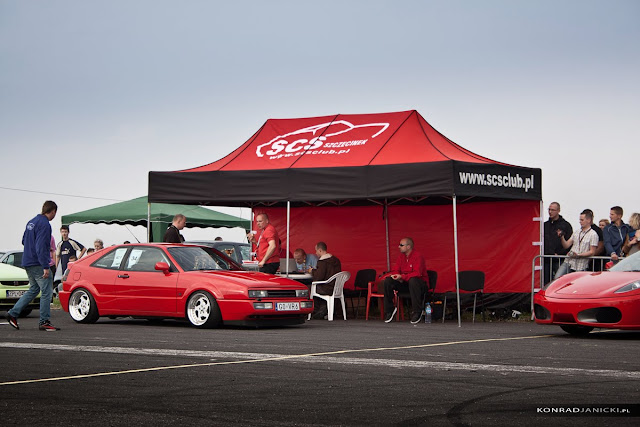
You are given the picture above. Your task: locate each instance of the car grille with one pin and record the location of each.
(282, 293)
(15, 282)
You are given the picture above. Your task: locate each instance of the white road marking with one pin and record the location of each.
(323, 357)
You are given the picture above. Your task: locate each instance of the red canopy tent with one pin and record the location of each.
(362, 182)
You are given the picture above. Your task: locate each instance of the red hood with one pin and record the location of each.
(591, 285)
(252, 279)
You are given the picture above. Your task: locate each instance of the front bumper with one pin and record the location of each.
(616, 313)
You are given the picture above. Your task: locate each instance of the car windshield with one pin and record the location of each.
(631, 263)
(193, 258)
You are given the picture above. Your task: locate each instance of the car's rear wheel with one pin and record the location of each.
(203, 311)
(82, 307)
(578, 330)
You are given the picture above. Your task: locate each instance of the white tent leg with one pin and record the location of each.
(288, 235)
(148, 222)
(386, 230)
(455, 248)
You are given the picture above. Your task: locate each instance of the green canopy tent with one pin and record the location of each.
(157, 215)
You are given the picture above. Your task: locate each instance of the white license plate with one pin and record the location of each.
(15, 294)
(287, 306)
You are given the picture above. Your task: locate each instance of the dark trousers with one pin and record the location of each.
(550, 267)
(270, 268)
(416, 286)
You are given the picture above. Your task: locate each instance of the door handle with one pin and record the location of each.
(123, 276)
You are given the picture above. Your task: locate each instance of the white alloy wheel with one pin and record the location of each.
(199, 308)
(82, 307)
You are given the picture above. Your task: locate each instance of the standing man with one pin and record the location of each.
(267, 245)
(552, 243)
(596, 264)
(583, 244)
(327, 266)
(410, 271)
(36, 261)
(615, 233)
(172, 235)
(66, 248)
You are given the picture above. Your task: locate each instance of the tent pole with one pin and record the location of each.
(148, 222)
(386, 230)
(288, 234)
(455, 249)
(541, 253)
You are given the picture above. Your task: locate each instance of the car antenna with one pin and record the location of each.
(134, 236)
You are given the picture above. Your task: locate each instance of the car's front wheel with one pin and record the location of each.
(578, 330)
(82, 307)
(203, 311)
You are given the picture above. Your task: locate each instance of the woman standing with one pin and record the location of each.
(632, 244)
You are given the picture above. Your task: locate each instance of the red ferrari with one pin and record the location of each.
(179, 281)
(581, 301)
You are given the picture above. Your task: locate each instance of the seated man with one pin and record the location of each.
(328, 265)
(410, 271)
(304, 261)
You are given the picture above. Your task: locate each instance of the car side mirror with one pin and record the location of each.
(608, 265)
(162, 266)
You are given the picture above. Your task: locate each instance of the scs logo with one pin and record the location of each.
(296, 141)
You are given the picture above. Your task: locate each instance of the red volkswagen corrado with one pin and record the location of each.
(179, 281)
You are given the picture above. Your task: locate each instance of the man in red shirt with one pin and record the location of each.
(409, 272)
(267, 245)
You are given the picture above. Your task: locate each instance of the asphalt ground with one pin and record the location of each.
(136, 372)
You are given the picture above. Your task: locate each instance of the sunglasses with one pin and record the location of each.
(403, 244)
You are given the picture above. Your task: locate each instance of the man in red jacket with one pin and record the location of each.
(410, 272)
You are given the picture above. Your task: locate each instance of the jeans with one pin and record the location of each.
(37, 284)
(565, 268)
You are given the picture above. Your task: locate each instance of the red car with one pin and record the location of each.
(179, 281)
(581, 301)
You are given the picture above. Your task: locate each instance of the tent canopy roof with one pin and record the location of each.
(134, 212)
(361, 158)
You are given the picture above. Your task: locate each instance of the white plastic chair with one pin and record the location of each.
(340, 279)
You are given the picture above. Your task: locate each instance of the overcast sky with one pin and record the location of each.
(95, 94)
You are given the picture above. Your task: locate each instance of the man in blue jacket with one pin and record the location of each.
(615, 233)
(36, 261)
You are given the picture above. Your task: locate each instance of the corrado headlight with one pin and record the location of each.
(258, 294)
(628, 288)
(302, 293)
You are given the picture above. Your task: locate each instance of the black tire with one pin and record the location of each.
(577, 330)
(202, 310)
(82, 307)
(25, 312)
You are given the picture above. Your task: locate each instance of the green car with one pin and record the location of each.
(13, 284)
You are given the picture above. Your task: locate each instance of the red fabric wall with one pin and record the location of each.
(495, 237)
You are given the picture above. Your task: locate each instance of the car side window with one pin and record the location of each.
(144, 259)
(112, 260)
(246, 253)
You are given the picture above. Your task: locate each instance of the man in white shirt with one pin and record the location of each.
(583, 243)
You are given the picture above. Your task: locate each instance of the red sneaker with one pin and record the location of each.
(47, 326)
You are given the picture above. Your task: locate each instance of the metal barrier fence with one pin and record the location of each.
(549, 266)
